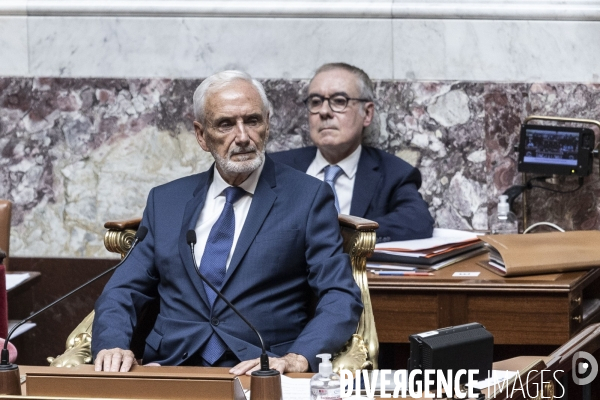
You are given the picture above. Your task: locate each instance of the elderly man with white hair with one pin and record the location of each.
(267, 238)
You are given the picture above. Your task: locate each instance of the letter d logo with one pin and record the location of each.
(582, 368)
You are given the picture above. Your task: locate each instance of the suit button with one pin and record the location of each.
(214, 321)
(184, 356)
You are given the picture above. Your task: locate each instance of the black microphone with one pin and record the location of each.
(139, 236)
(264, 358)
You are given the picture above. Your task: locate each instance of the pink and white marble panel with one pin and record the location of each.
(77, 152)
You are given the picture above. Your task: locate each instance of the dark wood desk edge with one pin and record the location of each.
(516, 284)
(443, 287)
(588, 278)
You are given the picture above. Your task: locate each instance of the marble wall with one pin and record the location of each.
(78, 152)
(468, 40)
(95, 97)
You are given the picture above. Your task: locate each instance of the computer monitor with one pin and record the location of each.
(556, 150)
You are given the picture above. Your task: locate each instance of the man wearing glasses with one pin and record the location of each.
(367, 182)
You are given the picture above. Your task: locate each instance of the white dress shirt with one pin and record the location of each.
(344, 185)
(213, 206)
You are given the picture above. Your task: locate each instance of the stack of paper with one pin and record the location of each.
(445, 247)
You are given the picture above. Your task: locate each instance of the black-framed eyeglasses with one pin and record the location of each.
(337, 102)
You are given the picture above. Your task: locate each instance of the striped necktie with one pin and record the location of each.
(214, 261)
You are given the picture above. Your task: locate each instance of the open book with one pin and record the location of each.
(541, 253)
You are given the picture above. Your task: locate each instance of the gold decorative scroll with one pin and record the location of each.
(79, 346)
(362, 350)
(119, 241)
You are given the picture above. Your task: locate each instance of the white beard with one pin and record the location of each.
(239, 167)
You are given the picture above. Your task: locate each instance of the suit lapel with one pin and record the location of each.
(190, 218)
(365, 184)
(262, 201)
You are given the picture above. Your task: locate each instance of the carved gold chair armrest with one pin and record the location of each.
(362, 350)
(120, 235)
(117, 239)
(78, 347)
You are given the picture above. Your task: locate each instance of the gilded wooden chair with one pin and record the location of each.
(360, 352)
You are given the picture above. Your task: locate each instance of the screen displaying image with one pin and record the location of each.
(551, 147)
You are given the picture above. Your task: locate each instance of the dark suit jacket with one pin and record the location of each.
(289, 248)
(385, 191)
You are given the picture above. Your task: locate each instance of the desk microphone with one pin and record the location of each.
(4, 364)
(267, 384)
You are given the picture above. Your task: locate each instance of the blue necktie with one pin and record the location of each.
(332, 172)
(214, 261)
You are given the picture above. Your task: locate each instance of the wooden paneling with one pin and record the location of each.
(518, 319)
(397, 316)
(530, 310)
(452, 309)
(511, 318)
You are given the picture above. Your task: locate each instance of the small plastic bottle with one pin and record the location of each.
(503, 220)
(325, 385)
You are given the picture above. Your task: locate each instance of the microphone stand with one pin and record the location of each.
(9, 373)
(265, 384)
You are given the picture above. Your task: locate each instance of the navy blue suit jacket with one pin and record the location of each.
(385, 191)
(289, 250)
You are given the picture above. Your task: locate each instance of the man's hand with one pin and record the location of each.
(115, 360)
(291, 362)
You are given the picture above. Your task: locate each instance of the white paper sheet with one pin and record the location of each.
(13, 280)
(497, 377)
(466, 274)
(22, 329)
(441, 237)
(295, 388)
(390, 267)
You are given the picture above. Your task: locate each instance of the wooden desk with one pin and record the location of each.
(531, 310)
(518, 363)
(82, 382)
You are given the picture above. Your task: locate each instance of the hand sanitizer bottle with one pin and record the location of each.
(325, 385)
(503, 220)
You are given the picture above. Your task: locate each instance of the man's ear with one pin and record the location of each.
(200, 132)
(369, 113)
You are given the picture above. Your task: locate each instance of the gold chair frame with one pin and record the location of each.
(360, 352)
